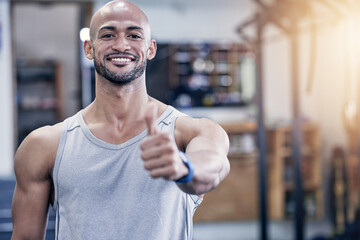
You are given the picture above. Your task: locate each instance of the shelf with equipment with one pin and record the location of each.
(38, 95)
(281, 177)
(209, 74)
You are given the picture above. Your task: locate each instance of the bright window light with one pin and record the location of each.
(84, 34)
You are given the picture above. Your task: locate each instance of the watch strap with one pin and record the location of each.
(190, 167)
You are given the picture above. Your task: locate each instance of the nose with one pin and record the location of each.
(121, 44)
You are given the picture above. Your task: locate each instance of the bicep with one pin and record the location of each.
(32, 191)
(29, 210)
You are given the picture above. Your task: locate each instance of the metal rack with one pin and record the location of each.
(286, 16)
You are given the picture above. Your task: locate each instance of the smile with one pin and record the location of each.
(121, 60)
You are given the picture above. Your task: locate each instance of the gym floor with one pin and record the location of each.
(249, 230)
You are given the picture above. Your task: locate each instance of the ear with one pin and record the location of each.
(88, 49)
(152, 50)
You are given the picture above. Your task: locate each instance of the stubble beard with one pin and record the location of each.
(119, 78)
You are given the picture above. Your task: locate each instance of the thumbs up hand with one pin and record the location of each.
(159, 151)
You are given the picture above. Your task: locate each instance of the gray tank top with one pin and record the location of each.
(102, 190)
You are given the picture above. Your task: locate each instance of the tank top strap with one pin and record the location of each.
(169, 118)
(67, 123)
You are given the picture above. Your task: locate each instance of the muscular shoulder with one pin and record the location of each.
(188, 128)
(36, 154)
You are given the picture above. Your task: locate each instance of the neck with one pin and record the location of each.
(119, 102)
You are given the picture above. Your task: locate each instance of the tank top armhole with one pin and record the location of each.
(58, 161)
(177, 115)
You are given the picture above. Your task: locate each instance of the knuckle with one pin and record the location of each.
(168, 160)
(172, 170)
(172, 148)
(143, 156)
(147, 166)
(153, 174)
(143, 145)
(165, 136)
(169, 148)
(168, 136)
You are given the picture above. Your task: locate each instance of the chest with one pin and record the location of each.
(94, 177)
(116, 134)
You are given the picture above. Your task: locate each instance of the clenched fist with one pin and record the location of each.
(159, 151)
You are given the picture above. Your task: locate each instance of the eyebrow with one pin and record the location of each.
(135, 28)
(107, 28)
(114, 28)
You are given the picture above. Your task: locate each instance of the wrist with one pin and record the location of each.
(187, 178)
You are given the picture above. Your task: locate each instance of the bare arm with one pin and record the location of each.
(33, 164)
(206, 145)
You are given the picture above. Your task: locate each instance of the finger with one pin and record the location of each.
(154, 141)
(156, 163)
(150, 118)
(158, 151)
(168, 172)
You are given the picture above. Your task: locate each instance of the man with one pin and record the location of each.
(127, 166)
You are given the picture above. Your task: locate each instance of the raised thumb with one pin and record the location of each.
(150, 118)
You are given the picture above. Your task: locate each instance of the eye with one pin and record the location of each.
(107, 35)
(135, 36)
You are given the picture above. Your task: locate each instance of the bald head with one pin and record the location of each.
(119, 11)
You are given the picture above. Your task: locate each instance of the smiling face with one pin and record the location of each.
(120, 42)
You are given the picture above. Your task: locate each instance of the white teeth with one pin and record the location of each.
(122, 59)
